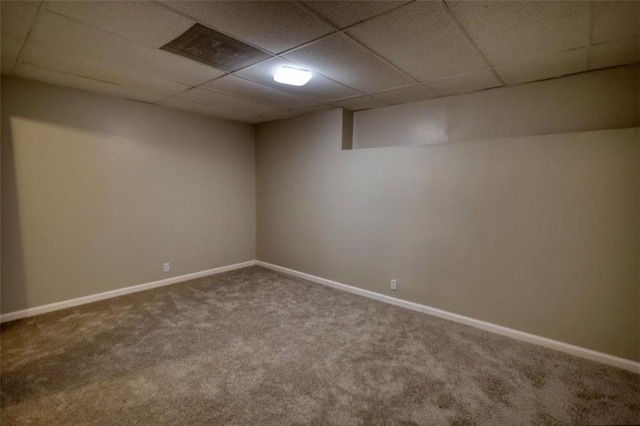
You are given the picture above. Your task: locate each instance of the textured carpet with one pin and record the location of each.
(257, 347)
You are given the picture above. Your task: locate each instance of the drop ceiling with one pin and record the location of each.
(364, 54)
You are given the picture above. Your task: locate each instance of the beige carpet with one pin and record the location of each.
(260, 348)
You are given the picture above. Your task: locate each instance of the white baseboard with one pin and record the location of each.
(119, 292)
(589, 354)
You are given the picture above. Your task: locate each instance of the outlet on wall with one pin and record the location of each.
(394, 284)
(166, 267)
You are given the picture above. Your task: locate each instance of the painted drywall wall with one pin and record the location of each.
(98, 192)
(536, 233)
(606, 99)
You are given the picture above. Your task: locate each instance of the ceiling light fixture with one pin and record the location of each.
(292, 76)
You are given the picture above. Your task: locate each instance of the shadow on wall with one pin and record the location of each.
(13, 285)
(98, 192)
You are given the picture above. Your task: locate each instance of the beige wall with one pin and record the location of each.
(536, 233)
(97, 193)
(606, 99)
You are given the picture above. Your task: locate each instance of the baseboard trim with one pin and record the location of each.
(11, 316)
(578, 351)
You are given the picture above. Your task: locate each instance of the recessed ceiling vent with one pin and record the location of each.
(214, 48)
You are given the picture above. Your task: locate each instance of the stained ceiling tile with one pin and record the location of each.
(406, 94)
(343, 60)
(272, 25)
(359, 103)
(614, 20)
(33, 72)
(216, 49)
(613, 53)
(18, 16)
(256, 92)
(225, 106)
(74, 37)
(11, 45)
(345, 13)
(146, 22)
(318, 88)
(46, 57)
(517, 31)
(557, 65)
(465, 83)
(422, 39)
(7, 65)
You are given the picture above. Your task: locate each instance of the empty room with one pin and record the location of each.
(320, 212)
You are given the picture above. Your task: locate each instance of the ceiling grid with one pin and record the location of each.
(363, 54)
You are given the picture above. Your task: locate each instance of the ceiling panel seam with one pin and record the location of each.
(466, 34)
(340, 30)
(200, 86)
(115, 64)
(269, 87)
(295, 64)
(272, 55)
(118, 63)
(230, 96)
(305, 44)
(87, 77)
(590, 17)
(262, 49)
(343, 32)
(41, 8)
(249, 99)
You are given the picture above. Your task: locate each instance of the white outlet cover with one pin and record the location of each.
(166, 267)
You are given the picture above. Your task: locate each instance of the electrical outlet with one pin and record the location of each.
(166, 267)
(394, 284)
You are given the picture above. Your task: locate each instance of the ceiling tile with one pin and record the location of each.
(11, 45)
(216, 49)
(7, 65)
(508, 32)
(46, 57)
(142, 21)
(67, 80)
(422, 39)
(252, 91)
(229, 107)
(465, 83)
(564, 63)
(613, 20)
(302, 111)
(312, 109)
(318, 88)
(359, 103)
(74, 37)
(342, 59)
(272, 25)
(406, 94)
(18, 16)
(237, 114)
(295, 113)
(345, 13)
(613, 53)
(175, 103)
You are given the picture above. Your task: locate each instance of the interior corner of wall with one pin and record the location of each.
(347, 129)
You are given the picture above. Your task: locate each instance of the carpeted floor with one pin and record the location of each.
(257, 347)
